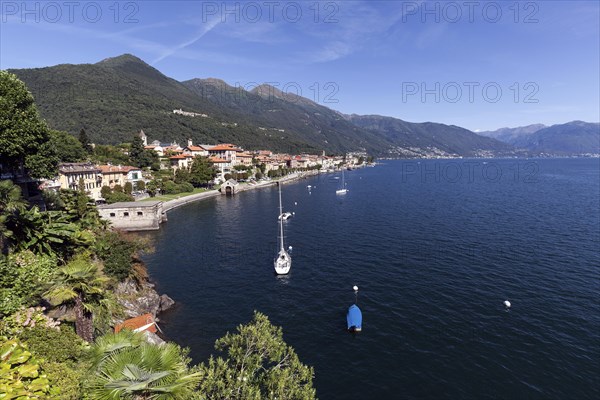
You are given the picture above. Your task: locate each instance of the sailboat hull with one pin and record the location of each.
(283, 263)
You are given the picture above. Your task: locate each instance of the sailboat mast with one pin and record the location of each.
(280, 217)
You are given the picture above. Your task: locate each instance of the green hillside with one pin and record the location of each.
(115, 98)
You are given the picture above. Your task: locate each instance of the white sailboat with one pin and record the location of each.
(283, 261)
(342, 189)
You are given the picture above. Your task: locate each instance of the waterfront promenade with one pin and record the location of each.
(172, 204)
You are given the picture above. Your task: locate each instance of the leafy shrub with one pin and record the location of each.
(128, 188)
(65, 378)
(21, 376)
(105, 192)
(186, 187)
(116, 250)
(140, 185)
(23, 278)
(53, 345)
(117, 197)
(170, 187)
(24, 319)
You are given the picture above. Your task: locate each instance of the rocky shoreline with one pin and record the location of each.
(139, 299)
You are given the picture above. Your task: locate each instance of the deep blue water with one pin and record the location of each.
(435, 247)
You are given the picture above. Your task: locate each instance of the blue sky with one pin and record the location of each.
(480, 65)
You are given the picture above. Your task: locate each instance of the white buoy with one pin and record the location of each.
(355, 288)
(293, 212)
(507, 303)
(290, 248)
(295, 203)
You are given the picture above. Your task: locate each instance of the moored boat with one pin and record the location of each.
(354, 318)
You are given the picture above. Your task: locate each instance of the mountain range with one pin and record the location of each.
(576, 137)
(116, 97)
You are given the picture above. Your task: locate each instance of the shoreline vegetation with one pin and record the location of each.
(67, 280)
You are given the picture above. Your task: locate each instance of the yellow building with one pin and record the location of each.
(70, 175)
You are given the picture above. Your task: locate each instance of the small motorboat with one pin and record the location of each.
(354, 318)
(285, 216)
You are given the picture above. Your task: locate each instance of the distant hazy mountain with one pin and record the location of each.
(508, 135)
(572, 138)
(431, 138)
(115, 98)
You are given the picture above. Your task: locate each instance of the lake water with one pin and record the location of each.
(435, 247)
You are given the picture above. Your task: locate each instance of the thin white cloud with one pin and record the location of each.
(358, 24)
(206, 28)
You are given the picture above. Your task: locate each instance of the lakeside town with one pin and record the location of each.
(228, 160)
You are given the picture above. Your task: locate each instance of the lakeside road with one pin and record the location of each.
(175, 203)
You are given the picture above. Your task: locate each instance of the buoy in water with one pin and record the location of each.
(355, 288)
(293, 212)
(295, 203)
(506, 303)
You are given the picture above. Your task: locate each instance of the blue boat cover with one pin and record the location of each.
(354, 318)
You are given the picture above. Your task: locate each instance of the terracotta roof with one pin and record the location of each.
(195, 148)
(244, 155)
(178, 157)
(142, 323)
(225, 147)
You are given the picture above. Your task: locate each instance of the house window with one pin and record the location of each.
(139, 213)
(126, 214)
(112, 214)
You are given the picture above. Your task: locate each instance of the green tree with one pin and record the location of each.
(105, 192)
(126, 367)
(85, 142)
(128, 188)
(80, 284)
(118, 253)
(52, 200)
(11, 203)
(81, 209)
(67, 147)
(141, 157)
(140, 185)
(118, 189)
(136, 151)
(259, 365)
(110, 154)
(201, 171)
(154, 186)
(24, 136)
(182, 175)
